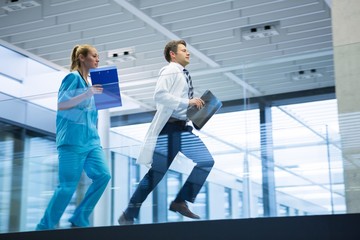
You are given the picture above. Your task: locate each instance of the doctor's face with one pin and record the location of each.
(182, 56)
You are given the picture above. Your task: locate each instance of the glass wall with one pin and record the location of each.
(307, 169)
(307, 155)
(277, 148)
(28, 177)
(306, 176)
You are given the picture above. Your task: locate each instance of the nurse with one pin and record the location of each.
(78, 142)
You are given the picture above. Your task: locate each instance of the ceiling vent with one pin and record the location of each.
(16, 5)
(261, 31)
(306, 75)
(121, 55)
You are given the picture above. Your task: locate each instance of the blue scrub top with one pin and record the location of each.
(76, 127)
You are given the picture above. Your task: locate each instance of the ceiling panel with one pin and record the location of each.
(221, 59)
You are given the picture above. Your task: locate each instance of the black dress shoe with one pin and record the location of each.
(183, 209)
(125, 221)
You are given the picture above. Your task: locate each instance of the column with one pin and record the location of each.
(102, 211)
(267, 161)
(346, 36)
(16, 194)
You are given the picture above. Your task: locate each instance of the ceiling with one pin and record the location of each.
(295, 54)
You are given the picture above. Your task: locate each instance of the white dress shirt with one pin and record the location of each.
(163, 95)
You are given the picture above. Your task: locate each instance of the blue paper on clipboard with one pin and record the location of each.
(108, 78)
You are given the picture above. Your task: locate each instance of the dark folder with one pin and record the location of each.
(108, 78)
(200, 117)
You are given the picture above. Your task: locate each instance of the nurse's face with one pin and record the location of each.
(91, 60)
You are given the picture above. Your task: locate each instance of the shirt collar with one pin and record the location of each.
(178, 65)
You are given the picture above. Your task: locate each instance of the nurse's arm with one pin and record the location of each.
(95, 89)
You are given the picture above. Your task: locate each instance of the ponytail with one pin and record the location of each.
(75, 63)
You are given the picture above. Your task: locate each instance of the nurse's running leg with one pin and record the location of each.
(96, 168)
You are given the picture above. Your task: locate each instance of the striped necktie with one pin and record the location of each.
(189, 81)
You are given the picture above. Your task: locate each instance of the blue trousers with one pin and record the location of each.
(172, 139)
(71, 165)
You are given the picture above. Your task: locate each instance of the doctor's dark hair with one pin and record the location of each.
(77, 50)
(172, 46)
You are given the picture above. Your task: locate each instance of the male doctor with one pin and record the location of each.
(170, 133)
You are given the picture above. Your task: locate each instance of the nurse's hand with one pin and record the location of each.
(95, 89)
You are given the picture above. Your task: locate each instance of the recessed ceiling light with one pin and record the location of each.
(260, 31)
(121, 55)
(306, 75)
(16, 5)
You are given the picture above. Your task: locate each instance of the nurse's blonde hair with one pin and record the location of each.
(77, 50)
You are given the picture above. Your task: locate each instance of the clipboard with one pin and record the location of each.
(108, 78)
(200, 117)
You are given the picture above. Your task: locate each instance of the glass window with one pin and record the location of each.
(228, 203)
(6, 156)
(134, 176)
(296, 212)
(308, 156)
(240, 205)
(28, 177)
(201, 205)
(42, 164)
(173, 186)
(260, 207)
(307, 167)
(283, 210)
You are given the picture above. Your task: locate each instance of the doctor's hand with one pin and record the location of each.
(95, 89)
(198, 102)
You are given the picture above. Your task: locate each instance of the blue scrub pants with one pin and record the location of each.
(172, 139)
(71, 165)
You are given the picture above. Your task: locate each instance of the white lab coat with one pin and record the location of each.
(168, 97)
